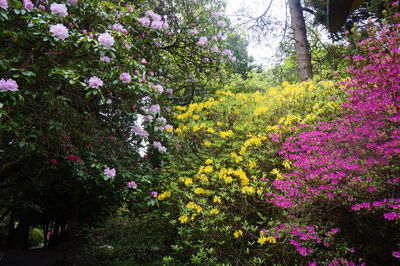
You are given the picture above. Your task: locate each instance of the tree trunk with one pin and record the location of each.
(302, 46)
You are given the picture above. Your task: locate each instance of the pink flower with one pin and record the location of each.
(60, 31)
(125, 77)
(106, 39)
(117, 27)
(28, 5)
(144, 21)
(221, 23)
(154, 109)
(132, 184)
(95, 82)
(54, 162)
(105, 59)
(154, 194)
(42, 7)
(140, 132)
(203, 41)
(159, 146)
(159, 88)
(169, 90)
(3, 4)
(59, 9)
(214, 49)
(110, 173)
(157, 24)
(8, 85)
(143, 61)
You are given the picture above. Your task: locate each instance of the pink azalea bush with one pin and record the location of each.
(347, 169)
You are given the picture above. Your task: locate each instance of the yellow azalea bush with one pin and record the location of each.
(226, 156)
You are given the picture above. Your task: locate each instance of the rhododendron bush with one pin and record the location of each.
(85, 92)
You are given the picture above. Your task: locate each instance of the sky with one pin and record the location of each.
(262, 53)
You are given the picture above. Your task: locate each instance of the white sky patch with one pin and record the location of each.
(262, 53)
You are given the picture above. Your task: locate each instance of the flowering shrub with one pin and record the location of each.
(81, 95)
(351, 164)
(223, 164)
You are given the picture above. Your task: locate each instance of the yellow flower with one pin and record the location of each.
(193, 217)
(199, 209)
(286, 164)
(191, 205)
(219, 124)
(217, 199)
(228, 179)
(207, 143)
(209, 161)
(238, 233)
(196, 117)
(181, 108)
(196, 128)
(238, 159)
(183, 219)
(263, 239)
(252, 164)
(169, 129)
(188, 181)
(164, 195)
(225, 134)
(214, 211)
(199, 190)
(248, 190)
(275, 171)
(208, 169)
(210, 130)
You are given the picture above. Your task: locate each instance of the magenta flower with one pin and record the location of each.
(95, 82)
(74, 158)
(106, 39)
(54, 162)
(132, 184)
(59, 9)
(8, 85)
(28, 5)
(154, 194)
(396, 254)
(110, 173)
(4, 4)
(125, 77)
(60, 31)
